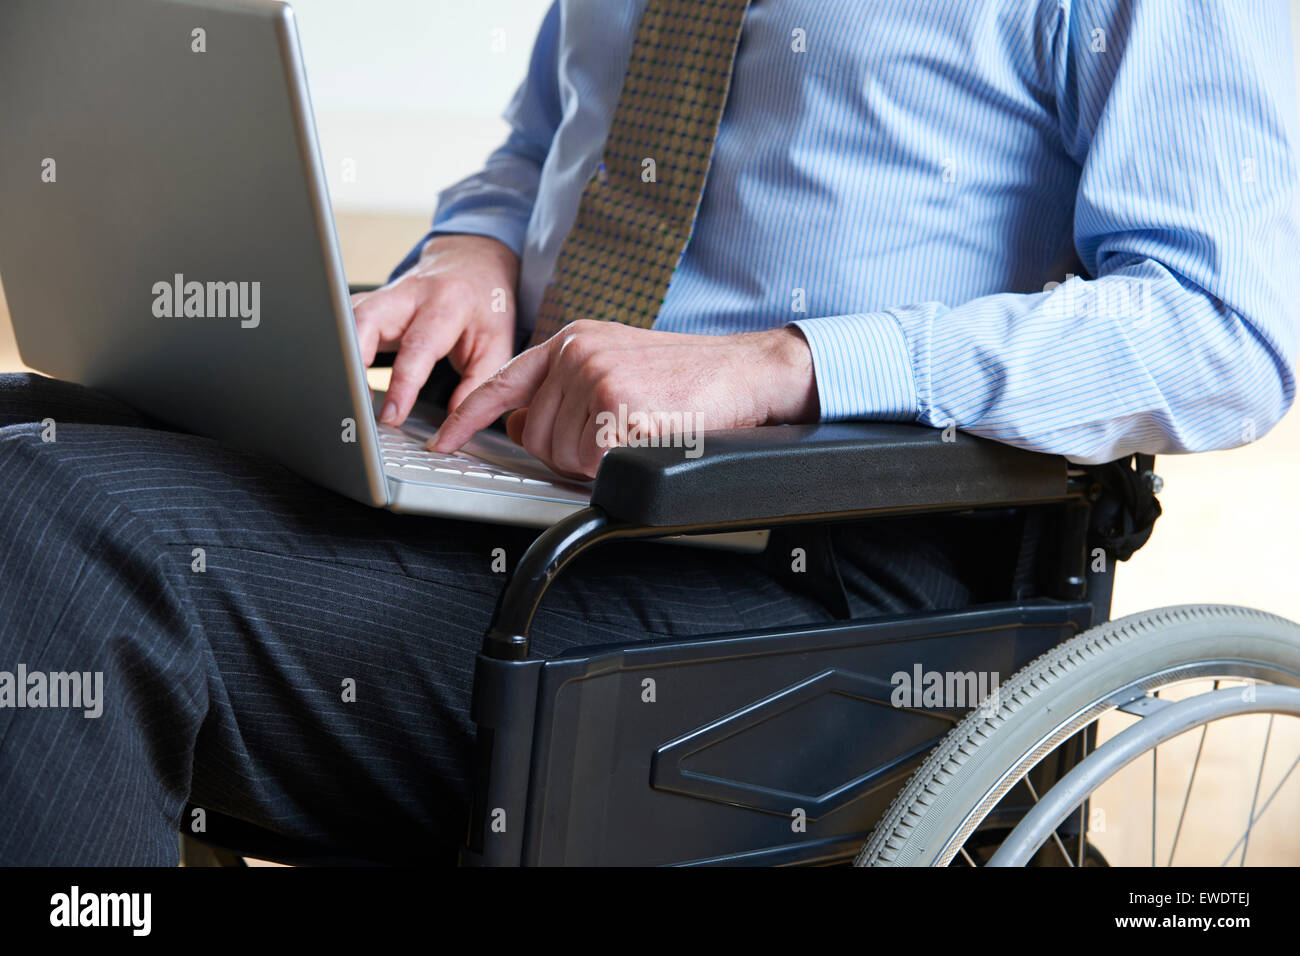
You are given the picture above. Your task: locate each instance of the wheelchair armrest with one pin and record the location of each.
(789, 471)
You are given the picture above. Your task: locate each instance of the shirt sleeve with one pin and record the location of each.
(1183, 336)
(498, 200)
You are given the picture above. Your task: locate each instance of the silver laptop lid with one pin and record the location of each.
(165, 228)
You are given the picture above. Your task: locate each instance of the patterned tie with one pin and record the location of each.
(636, 212)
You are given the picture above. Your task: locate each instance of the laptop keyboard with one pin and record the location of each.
(406, 457)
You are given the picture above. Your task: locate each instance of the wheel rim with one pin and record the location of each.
(1049, 812)
(1230, 668)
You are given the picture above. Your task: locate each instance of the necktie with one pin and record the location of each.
(636, 213)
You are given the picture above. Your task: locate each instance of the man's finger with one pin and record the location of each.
(567, 431)
(380, 317)
(542, 410)
(516, 422)
(590, 451)
(489, 358)
(512, 387)
(430, 336)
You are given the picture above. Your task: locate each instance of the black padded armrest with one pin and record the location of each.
(786, 471)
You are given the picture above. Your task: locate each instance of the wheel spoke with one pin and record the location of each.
(1276, 790)
(1182, 814)
(1055, 836)
(1259, 779)
(968, 857)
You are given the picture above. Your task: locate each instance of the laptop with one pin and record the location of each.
(166, 236)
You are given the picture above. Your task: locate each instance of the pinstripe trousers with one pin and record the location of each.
(230, 606)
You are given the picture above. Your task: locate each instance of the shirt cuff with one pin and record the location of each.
(862, 367)
(502, 225)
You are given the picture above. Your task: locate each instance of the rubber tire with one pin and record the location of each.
(1068, 684)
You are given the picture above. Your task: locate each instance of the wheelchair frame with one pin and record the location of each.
(748, 747)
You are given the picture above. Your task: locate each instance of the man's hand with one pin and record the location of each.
(561, 386)
(443, 307)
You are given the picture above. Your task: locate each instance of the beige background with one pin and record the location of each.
(1229, 532)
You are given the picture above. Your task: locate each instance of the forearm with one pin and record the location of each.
(497, 201)
(1134, 361)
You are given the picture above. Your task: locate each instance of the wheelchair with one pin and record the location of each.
(789, 746)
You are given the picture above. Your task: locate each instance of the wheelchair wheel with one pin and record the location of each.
(1120, 665)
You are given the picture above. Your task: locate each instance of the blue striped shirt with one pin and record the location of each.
(1069, 225)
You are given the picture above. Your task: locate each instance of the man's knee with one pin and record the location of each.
(68, 545)
(26, 398)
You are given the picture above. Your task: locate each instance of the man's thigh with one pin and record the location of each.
(319, 653)
(345, 641)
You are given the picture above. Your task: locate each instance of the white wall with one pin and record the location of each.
(408, 93)
(411, 91)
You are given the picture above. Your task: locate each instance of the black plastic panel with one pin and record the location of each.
(743, 730)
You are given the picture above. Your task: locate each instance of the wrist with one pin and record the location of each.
(464, 243)
(788, 380)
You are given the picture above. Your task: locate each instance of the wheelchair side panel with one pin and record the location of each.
(753, 748)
